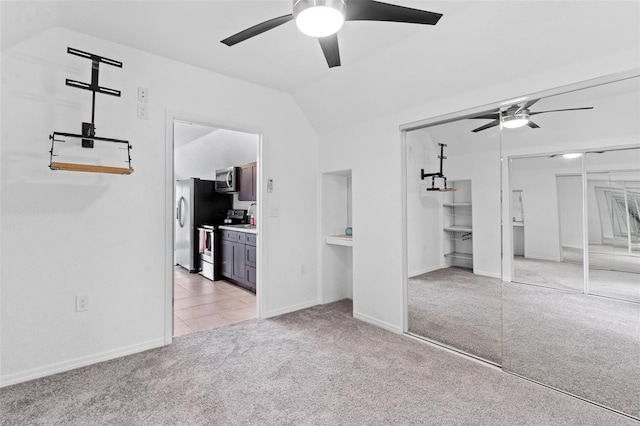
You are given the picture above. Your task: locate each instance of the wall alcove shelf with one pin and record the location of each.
(88, 136)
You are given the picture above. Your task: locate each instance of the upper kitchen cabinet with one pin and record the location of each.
(248, 182)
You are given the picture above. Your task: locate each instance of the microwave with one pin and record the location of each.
(227, 180)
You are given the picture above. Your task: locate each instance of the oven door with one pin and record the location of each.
(207, 245)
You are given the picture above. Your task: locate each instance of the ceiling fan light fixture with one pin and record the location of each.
(319, 18)
(515, 121)
(572, 155)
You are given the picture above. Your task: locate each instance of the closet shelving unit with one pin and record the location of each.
(458, 225)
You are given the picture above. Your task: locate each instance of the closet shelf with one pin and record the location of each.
(76, 167)
(467, 256)
(457, 226)
(458, 229)
(457, 204)
(339, 240)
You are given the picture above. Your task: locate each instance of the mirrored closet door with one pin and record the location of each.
(528, 257)
(453, 237)
(571, 291)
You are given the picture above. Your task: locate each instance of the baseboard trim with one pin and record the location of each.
(378, 323)
(551, 259)
(72, 364)
(292, 308)
(487, 274)
(424, 271)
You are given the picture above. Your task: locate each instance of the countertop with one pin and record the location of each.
(241, 228)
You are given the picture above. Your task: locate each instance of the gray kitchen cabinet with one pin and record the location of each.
(238, 258)
(226, 258)
(238, 270)
(251, 278)
(248, 182)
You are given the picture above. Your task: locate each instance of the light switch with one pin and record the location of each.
(143, 111)
(143, 94)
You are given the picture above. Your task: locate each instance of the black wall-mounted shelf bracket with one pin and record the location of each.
(89, 129)
(88, 134)
(438, 175)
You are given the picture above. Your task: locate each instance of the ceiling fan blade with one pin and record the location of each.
(492, 116)
(330, 49)
(486, 126)
(257, 30)
(369, 10)
(527, 105)
(558, 110)
(532, 125)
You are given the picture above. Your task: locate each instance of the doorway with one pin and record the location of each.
(202, 296)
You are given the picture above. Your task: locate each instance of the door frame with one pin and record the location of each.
(170, 118)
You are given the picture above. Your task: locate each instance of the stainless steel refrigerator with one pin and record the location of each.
(197, 204)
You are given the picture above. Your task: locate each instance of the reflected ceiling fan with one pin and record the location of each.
(516, 116)
(323, 19)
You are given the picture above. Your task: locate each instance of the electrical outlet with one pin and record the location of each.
(143, 111)
(273, 212)
(303, 269)
(270, 185)
(82, 303)
(143, 94)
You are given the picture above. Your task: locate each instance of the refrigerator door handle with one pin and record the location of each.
(180, 211)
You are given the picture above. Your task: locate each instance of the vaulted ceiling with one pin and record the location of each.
(386, 66)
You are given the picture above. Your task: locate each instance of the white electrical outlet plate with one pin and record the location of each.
(270, 185)
(82, 303)
(143, 94)
(273, 212)
(143, 111)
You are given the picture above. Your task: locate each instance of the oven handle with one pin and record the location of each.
(228, 179)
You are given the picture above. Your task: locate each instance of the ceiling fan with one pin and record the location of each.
(323, 19)
(516, 116)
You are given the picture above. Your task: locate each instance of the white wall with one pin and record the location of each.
(536, 177)
(424, 208)
(104, 236)
(570, 210)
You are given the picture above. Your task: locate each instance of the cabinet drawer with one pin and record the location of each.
(250, 239)
(230, 235)
(242, 237)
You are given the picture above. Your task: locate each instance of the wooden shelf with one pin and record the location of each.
(76, 167)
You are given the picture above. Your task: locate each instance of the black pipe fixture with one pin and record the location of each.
(439, 175)
(88, 134)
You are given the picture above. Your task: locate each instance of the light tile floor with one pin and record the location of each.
(202, 304)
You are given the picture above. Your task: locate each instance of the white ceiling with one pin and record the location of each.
(200, 150)
(386, 67)
(190, 32)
